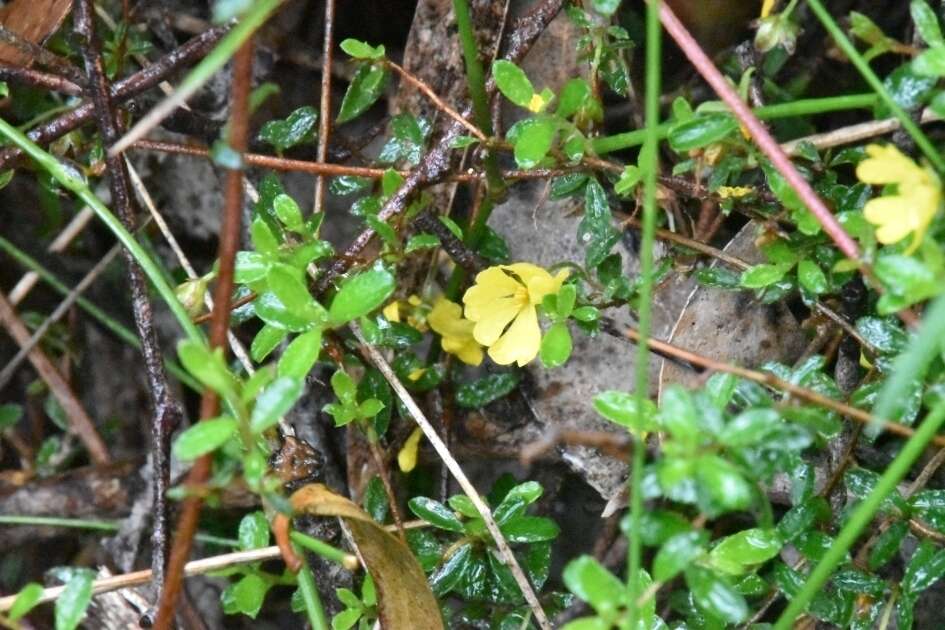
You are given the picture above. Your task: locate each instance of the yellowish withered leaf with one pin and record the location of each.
(404, 597)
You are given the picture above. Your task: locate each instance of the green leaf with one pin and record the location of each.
(592, 583)
(203, 437)
(346, 618)
(421, 241)
(512, 82)
(25, 600)
(245, 596)
(207, 366)
(925, 568)
(701, 131)
(264, 241)
(930, 63)
(739, 552)
(265, 341)
(677, 553)
(725, 485)
(274, 402)
(298, 127)
(485, 390)
(343, 386)
(254, 531)
(445, 578)
(811, 277)
(926, 23)
(761, 276)
(301, 354)
(375, 500)
(362, 50)
(556, 345)
(621, 408)
(528, 529)
(716, 596)
(630, 178)
(596, 230)
(361, 294)
(576, 97)
(464, 505)
(289, 213)
(250, 267)
(515, 501)
(74, 599)
(678, 414)
(533, 141)
(606, 7)
(908, 281)
(435, 513)
(750, 427)
(10, 414)
(365, 88)
(887, 545)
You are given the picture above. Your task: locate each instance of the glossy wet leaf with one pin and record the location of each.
(556, 345)
(677, 553)
(485, 390)
(512, 82)
(526, 529)
(365, 88)
(925, 568)
(596, 231)
(300, 355)
(26, 600)
(716, 596)
(435, 513)
(296, 128)
(74, 599)
(622, 408)
(204, 437)
(737, 553)
(254, 531)
(274, 402)
(701, 131)
(246, 596)
(362, 50)
(533, 141)
(361, 294)
(207, 366)
(594, 584)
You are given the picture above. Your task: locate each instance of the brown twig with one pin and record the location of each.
(324, 120)
(219, 326)
(79, 421)
(436, 100)
(455, 248)
(40, 54)
(39, 79)
(121, 91)
(166, 411)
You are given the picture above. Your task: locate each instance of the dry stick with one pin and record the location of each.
(137, 578)
(468, 488)
(436, 100)
(11, 366)
(122, 90)
(41, 54)
(324, 121)
(759, 133)
(219, 327)
(854, 133)
(79, 421)
(38, 79)
(768, 379)
(29, 279)
(166, 410)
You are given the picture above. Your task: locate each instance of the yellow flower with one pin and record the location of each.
(768, 8)
(506, 295)
(734, 192)
(407, 457)
(392, 311)
(912, 207)
(456, 333)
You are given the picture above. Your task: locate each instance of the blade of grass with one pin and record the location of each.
(254, 18)
(313, 603)
(650, 164)
(105, 526)
(840, 38)
(862, 516)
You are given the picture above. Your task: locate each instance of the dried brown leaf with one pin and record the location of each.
(33, 21)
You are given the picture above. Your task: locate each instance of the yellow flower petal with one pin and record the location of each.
(491, 284)
(502, 311)
(521, 342)
(416, 374)
(392, 312)
(887, 165)
(446, 318)
(466, 349)
(768, 7)
(407, 456)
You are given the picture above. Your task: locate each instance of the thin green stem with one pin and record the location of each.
(320, 548)
(313, 602)
(863, 515)
(650, 165)
(804, 107)
(475, 75)
(255, 17)
(117, 328)
(921, 140)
